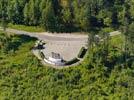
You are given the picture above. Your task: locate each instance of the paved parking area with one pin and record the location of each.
(67, 49)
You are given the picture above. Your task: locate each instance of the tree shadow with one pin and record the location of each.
(16, 41)
(26, 38)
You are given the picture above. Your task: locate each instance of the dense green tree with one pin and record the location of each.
(131, 38)
(32, 14)
(42, 5)
(48, 18)
(126, 23)
(83, 15)
(4, 14)
(16, 14)
(26, 14)
(67, 19)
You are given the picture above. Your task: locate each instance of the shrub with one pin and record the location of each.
(82, 52)
(74, 60)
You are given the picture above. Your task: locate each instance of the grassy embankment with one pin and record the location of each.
(26, 28)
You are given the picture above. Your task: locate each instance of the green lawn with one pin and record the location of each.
(26, 28)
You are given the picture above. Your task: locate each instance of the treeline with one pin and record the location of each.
(67, 15)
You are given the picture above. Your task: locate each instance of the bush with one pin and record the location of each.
(74, 60)
(82, 52)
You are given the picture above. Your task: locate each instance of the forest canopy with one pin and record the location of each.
(68, 15)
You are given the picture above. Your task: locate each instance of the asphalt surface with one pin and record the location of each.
(52, 37)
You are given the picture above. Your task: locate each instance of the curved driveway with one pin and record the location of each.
(53, 37)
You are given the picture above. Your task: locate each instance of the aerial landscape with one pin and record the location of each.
(66, 49)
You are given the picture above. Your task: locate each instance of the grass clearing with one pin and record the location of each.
(26, 28)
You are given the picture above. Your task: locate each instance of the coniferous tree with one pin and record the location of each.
(125, 29)
(4, 15)
(67, 19)
(26, 14)
(48, 18)
(131, 39)
(17, 16)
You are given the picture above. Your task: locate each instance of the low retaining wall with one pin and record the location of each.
(53, 63)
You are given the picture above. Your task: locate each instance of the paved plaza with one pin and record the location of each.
(67, 49)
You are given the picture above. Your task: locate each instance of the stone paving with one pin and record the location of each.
(67, 49)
